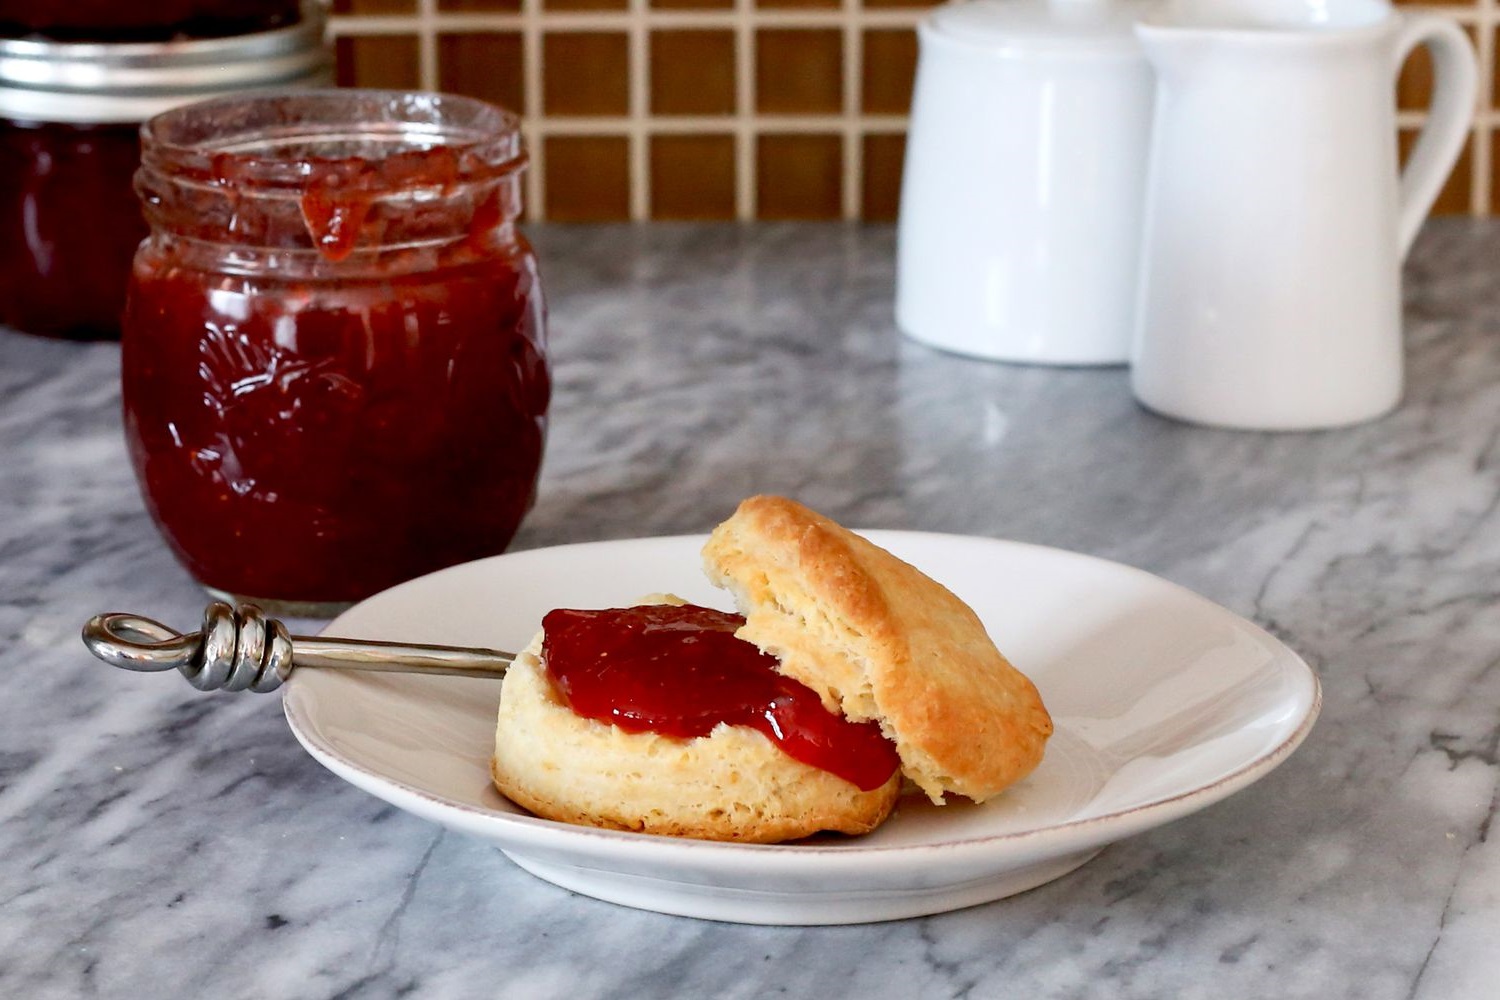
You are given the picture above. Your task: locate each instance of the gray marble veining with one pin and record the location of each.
(159, 843)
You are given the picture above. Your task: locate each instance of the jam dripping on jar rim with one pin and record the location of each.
(288, 168)
(482, 140)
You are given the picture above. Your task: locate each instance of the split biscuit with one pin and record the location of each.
(879, 640)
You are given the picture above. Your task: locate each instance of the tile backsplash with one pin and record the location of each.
(749, 109)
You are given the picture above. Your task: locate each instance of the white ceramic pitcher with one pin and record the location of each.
(1275, 219)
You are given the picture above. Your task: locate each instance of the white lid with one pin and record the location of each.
(103, 83)
(1081, 25)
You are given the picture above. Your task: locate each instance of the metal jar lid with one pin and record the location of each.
(103, 83)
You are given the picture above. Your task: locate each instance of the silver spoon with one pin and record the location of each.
(240, 649)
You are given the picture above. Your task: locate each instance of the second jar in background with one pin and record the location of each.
(70, 114)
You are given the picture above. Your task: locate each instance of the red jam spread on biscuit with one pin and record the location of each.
(680, 671)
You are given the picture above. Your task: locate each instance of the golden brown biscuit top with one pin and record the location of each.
(878, 639)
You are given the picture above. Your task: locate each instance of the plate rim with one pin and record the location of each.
(520, 832)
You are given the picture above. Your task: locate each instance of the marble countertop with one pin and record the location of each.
(158, 843)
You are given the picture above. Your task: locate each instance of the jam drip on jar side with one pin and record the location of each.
(680, 671)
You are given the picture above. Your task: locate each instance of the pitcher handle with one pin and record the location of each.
(1456, 87)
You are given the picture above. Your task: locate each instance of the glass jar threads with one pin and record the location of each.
(69, 116)
(334, 360)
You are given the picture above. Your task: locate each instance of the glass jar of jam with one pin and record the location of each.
(70, 114)
(334, 365)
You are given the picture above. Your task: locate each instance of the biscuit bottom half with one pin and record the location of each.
(733, 784)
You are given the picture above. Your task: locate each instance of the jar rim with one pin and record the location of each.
(277, 143)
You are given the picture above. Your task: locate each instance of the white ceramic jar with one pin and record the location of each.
(1020, 216)
(1276, 218)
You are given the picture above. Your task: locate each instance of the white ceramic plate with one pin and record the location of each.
(1163, 702)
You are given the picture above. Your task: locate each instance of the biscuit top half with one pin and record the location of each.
(879, 640)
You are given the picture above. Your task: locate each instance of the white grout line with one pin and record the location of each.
(751, 125)
(1464, 13)
(746, 190)
(1414, 119)
(427, 57)
(853, 67)
(1481, 193)
(533, 114)
(640, 111)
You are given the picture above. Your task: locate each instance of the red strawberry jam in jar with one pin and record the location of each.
(334, 362)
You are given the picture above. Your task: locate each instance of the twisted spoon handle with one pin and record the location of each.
(241, 649)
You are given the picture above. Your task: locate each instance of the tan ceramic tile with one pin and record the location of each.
(486, 65)
(890, 66)
(384, 61)
(553, 5)
(880, 4)
(692, 72)
(480, 6)
(1495, 72)
(587, 178)
(585, 73)
(803, 4)
(1454, 198)
(692, 4)
(799, 72)
(1494, 206)
(374, 6)
(1414, 85)
(881, 197)
(799, 176)
(692, 177)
